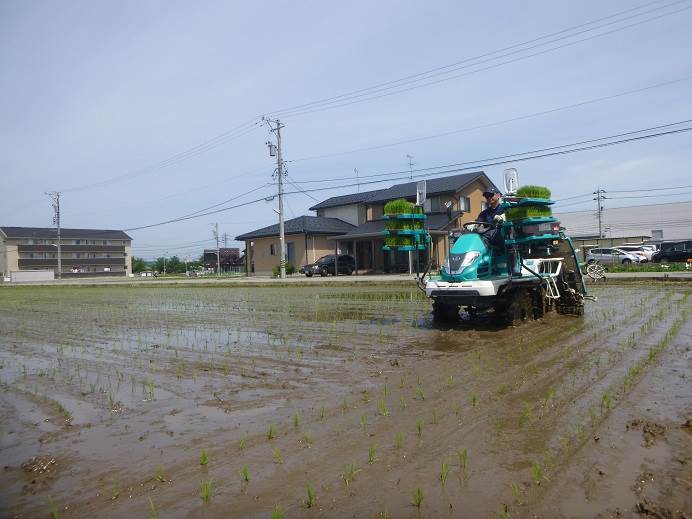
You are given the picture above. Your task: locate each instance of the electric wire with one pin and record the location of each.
(522, 157)
(426, 73)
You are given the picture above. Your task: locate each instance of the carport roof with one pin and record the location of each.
(301, 225)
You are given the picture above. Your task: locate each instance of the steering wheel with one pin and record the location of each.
(475, 222)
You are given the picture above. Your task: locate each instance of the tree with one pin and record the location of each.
(138, 265)
(174, 265)
(159, 264)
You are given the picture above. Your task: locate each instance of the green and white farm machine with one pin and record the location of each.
(528, 269)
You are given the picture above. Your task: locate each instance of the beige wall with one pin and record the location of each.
(347, 213)
(9, 257)
(264, 262)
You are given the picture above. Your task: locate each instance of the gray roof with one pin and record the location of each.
(300, 225)
(434, 186)
(373, 228)
(354, 198)
(51, 233)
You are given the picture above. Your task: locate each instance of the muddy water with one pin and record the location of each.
(104, 389)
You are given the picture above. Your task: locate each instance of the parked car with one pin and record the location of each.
(325, 266)
(673, 251)
(643, 254)
(611, 256)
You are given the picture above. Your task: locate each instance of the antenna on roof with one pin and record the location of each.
(355, 170)
(410, 165)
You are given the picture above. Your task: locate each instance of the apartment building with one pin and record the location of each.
(84, 252)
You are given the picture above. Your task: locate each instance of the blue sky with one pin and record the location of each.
(102, 91)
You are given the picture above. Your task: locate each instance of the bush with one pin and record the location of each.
(290, 269)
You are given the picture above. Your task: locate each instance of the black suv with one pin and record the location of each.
(325, 266)
(674, 251)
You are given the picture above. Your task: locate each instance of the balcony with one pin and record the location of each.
(71, 248)
(67, 262)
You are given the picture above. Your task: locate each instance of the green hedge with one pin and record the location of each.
(290, 269)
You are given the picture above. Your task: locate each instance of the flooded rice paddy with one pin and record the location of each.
(340, 401)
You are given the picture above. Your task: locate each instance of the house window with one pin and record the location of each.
(272, 249)
(464, 204)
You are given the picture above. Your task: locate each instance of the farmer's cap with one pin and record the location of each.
(491, 191)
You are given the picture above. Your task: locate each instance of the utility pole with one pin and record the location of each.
(164, 263)
(599, 199)
(218, 256)
(55, 197)
(276, 150)
(225, 240)
(410, 164)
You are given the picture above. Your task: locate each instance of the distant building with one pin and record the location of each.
(657, 222)
(354, 224)
(84, 252)
(230, 257)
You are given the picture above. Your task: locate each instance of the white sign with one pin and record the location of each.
(421, 188)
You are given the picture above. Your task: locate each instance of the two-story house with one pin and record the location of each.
(354, 224)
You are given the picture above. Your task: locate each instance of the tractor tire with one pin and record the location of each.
(540, 303)
(444, 312)
(520, 308)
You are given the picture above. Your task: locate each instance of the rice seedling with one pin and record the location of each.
(204, 458)
(385, 389)
(417, 498)
(363, 421)
(384, 514)
(349, 473)
(271, 432)
(276, 454)
(444, 472)
(537, 471)
(153, 514)
(296, 420)
(276, 513)
(245, 474)
(402, 402)
(311, 498)
(372, 453)
(308, 439)
(419, 428)
(516, 491)
(606, 402)
(504, 512)
(365, 396)
(548, 397)
(474, 400)
(450, 382)
(205, 490)
(419, 391)
(321, 413)
(53, 509)
(241, 444)
(463, 457)
(382, 407)
(525, 415)
(402, 382)
(434, 416)
(398, 440)
(160, 476)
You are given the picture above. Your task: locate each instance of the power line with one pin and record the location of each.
(208, 145)
(655, 189)
(521, 157)
(649, 196)
(362, 95)
(492, 124)
(541, 150)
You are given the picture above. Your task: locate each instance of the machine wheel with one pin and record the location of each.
(540, 303)
(443, 312)
(324, 272)
(520, 308)
(308, 274)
